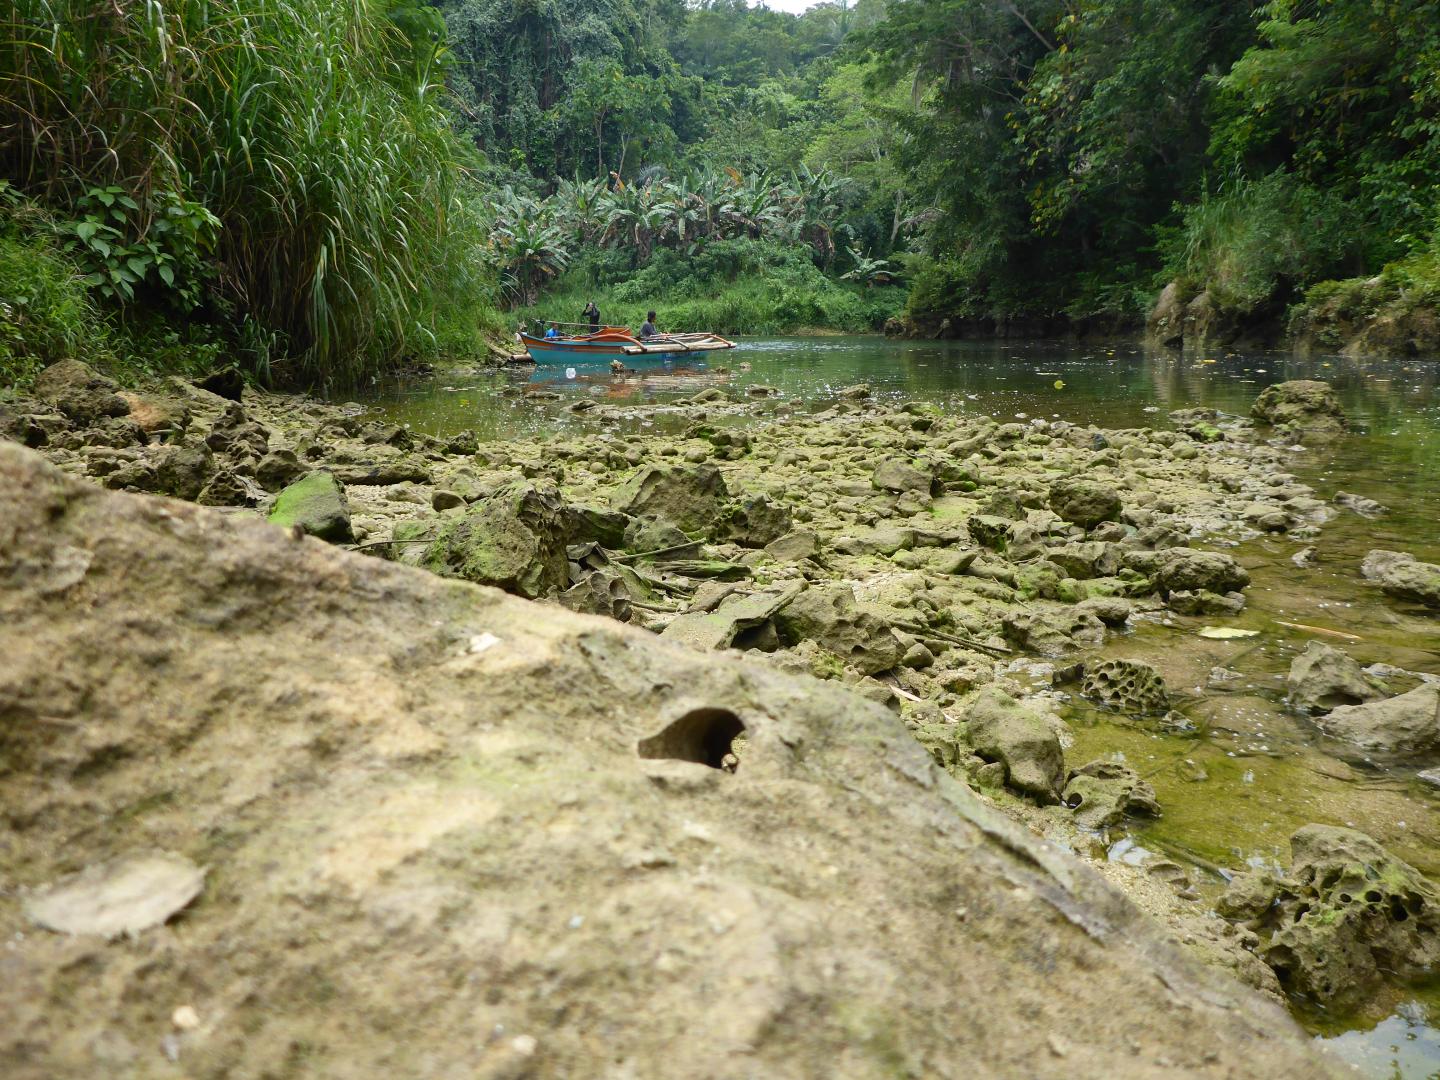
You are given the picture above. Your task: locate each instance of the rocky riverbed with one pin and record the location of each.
(958, 571)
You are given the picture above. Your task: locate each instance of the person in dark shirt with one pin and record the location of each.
(591, 314)
(647, 329)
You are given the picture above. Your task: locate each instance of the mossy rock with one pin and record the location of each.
(316, 504)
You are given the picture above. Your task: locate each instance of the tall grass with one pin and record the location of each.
(312, 128)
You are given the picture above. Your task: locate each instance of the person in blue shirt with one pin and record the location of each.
(553, 332)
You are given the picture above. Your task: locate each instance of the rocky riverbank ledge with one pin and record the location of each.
(394, 818)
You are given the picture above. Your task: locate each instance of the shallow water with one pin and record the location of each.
(1251, 773)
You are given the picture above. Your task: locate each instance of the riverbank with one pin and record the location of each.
(931, 536)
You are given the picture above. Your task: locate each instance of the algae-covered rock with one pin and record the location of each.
(688, 496)
(316, 504)
(1350, 915)
(1101, 793)
(1084, 502)
(1001, 729)
(753, 521)
(515, 540)
(1128, 686)
(1248, 895)
(1323, 677)
(1403, 576)
(897, 474)
(1177, 569)
(1300, 405)
(1408, 723)
(829, 616)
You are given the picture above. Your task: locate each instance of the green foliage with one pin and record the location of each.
(731, 286)
(1259, 240)
(286, 164)
(45, 309)
(124, 246)
(1066, 145)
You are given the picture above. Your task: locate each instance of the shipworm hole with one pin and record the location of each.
(705, 736)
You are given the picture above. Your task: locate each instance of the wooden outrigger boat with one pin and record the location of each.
(611, 343)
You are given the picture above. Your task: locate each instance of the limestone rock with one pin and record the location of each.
(436, 850)
(279, 468)
(898, 474)
(1350, 915)
(1366, 508)
(515, 540)
(1300, 405)
(1165, 324)
(317, 505)
(1204, 602)
(183, 471)
(688, 496)
(1323, 677)
(1178, 569)
(1102, 792)
(156, 415)
(80, 392)
(1403, 576)
(829, 616)
(1084, 502)
(753, 521)
(1249, 895)
(1408, 723)
(1001, 729)
(731, 622)
(1128, 686)
(795, 546)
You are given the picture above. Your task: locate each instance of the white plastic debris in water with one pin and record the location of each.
(124, 896)
(1225, 633)
(570, 373)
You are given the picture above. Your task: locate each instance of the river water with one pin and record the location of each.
(1251, 773)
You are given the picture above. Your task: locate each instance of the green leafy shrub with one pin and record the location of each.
(1259, 240)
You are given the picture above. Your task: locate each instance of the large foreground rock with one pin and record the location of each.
(446, 832)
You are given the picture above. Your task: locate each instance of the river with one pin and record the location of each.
(1251, 772)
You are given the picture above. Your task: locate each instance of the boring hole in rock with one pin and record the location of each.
(706, 736)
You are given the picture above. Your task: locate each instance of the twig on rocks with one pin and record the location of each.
(657, 551)
(954, 639)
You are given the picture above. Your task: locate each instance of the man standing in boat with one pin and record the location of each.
(647, 328)
(591, 314)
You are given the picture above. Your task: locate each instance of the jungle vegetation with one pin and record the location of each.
(319, 190)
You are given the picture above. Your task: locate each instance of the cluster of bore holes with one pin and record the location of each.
(713, 737)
